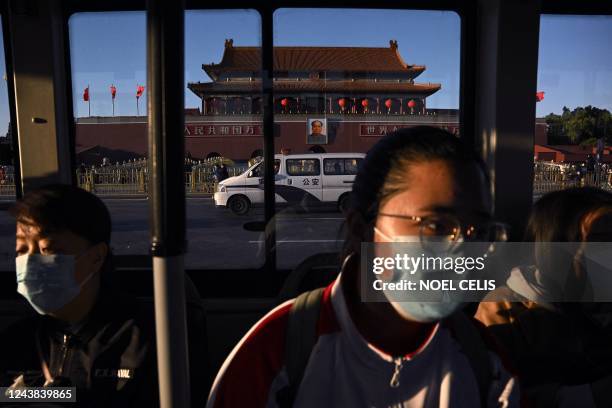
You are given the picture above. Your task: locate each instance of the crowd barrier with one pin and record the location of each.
(7, 185)
(134, 181)
(553, 177)
(131, 179)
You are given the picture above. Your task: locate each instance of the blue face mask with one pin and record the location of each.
(47, 281)
(418, 310)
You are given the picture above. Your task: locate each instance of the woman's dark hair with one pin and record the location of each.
(559, 216)
(61, 207)
(383, 173)
(562, 216)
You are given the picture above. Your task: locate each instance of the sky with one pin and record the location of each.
(575, 62)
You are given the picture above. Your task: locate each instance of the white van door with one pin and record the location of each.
(253, 184)
(338, 176)
(303, 183)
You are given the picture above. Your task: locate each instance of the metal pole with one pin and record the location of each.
(165, 72)
(268, 148)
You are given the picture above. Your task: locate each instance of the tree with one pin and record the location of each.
(580, 126)
(554, 130)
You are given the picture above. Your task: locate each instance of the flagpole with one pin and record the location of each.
(137, 109)
(88, 101)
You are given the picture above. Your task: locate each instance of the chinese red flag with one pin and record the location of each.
(539, 96)
(139, 91)
(113, 90)
(86, 94)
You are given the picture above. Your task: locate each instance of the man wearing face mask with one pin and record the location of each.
(85, 334)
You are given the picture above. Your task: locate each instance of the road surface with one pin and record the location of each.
(216, 237)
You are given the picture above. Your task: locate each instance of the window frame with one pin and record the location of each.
(585, 7)
(265, 281)
(464, 9)
(268, 277)
(10, 86)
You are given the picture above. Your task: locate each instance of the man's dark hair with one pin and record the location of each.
(316, 121)
(61, 207)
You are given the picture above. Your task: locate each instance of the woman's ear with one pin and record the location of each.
(99, 254)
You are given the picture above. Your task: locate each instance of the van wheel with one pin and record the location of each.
(344, 202)
(239, 205)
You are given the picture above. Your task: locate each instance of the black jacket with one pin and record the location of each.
(110, 360)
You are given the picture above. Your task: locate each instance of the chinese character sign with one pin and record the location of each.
(222, 130)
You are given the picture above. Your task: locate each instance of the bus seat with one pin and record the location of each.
(228, 320)
(141, 286)
(314, 272)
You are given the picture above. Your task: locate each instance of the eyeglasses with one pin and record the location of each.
(445, 231)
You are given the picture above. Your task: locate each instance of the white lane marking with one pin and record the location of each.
(123, 199)
(297, 241)
(310, 218)
(324, 218)
(294, 241)
(146, 199)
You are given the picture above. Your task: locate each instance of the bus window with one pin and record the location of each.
(108, 62)
(108, 52)
(338, 92)
(223, 138)
(7, 173)
(573, 134)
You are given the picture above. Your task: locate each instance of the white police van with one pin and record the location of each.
(305, 179)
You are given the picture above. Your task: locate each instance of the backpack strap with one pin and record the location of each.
(475, 349)
(301, 339)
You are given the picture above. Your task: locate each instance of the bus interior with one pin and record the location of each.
(97, 93)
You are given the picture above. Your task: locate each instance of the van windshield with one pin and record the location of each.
(258, 169)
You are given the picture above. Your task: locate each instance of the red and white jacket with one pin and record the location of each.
(346, 371)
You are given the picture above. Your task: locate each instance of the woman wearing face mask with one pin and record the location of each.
(561, 348)
(419, 182)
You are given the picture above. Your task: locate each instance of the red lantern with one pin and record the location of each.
(342, 102)
(284, 102)
(411, 104)
(364, 103)
(388, 103)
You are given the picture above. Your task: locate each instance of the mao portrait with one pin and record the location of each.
(317, 131)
